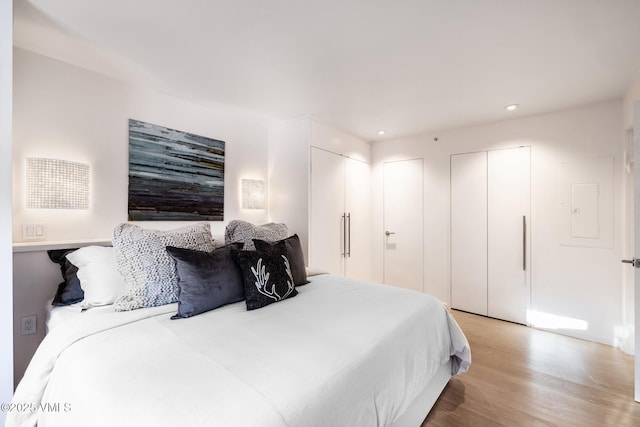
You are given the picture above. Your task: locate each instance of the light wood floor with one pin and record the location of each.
(521, 376)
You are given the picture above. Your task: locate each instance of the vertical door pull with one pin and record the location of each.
(524, 243)
(344, 235)
(349, 234)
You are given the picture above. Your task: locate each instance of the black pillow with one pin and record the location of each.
(294, 253)
(267, 276)
(206, 280)
(69, 291)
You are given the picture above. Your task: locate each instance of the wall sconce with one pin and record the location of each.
(253, 196)
(57, 184)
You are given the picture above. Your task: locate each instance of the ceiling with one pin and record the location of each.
(405, 66)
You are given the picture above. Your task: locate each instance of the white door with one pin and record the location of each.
(469, 232)
(508, 219)
(403, 224)
(357, 208)
(326, 228)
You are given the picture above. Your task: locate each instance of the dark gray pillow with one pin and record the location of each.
(294, 253)
(69, 291)
(267, 277)
(206, 280)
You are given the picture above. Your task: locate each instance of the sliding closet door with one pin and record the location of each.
(509, 203)
(469, 232)
(326, 236)
(357, 207)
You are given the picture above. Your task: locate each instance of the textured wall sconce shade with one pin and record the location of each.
(57, 184)
(253, 194)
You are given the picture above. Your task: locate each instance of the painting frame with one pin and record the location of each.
(174, 175)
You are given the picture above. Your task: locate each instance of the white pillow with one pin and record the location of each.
(99, 278)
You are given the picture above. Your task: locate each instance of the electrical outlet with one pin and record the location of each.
(28, 325)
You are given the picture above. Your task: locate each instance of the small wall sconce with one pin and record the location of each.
(57, 184)
(253, 196)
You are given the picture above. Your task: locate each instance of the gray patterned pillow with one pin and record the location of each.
(245, 232)
(149, 272)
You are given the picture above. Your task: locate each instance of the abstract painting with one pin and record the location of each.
(174, 175)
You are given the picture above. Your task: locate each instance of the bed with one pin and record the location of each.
(341, 353)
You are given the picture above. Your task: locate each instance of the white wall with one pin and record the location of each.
(6, 290)
(576, 282)
(67, 112)
(289, 177)
(64, 111)
(632, 95)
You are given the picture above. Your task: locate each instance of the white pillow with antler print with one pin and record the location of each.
(266, 275)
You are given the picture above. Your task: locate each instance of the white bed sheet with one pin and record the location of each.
(61, 314)
(341, 353)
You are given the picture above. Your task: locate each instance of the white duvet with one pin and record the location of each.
(341, 353)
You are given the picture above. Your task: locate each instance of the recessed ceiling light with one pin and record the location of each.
(381, 132)
(511, 107)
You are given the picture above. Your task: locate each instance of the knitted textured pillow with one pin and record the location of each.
(245, 232)
(149, 272)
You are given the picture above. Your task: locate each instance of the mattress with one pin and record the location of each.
(341, 353)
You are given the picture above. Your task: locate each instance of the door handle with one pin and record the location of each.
(389, 233)
(343, 220)
(633, 261)
(349, 234)
(524, 243)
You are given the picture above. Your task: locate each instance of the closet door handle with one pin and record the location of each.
(349, 234)
(344, 235)
(524, 243)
